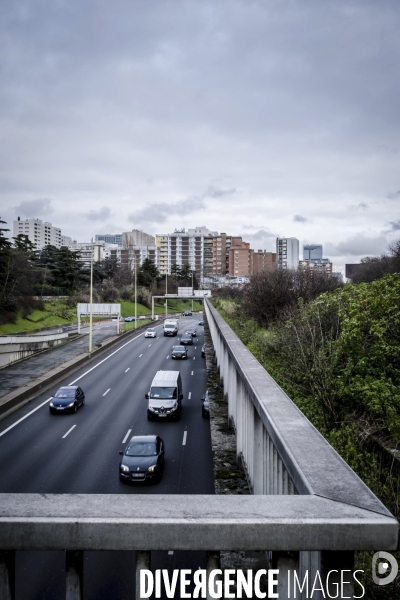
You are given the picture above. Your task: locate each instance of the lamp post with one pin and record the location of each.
(135, 291)
(91, 300)
(166, 292)
(192, 291)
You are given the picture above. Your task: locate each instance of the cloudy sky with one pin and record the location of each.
(259, 118)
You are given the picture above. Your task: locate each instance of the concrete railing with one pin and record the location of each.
(15, 347)
(306, 501)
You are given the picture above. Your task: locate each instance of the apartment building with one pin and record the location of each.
(312, 252)
(193, 247)
(316, 265)
(137, 238)
(264, 261)
(85, 251)
(287, 253)
(39, 233)
(109, 238)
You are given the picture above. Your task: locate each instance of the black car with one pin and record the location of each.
(67, 399)
(201, 323)
(187, 313)
(205, 409)
(143, 459)
(191, 331)
(179, 352)
(186, 338)
(203, 350)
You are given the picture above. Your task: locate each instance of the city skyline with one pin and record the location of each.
(251, 118)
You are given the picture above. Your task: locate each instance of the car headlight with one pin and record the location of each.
(124, 468)
(152, 469)
(71, 405)
(51, 404)
(151, 408)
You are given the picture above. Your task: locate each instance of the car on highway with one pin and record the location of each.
(179, 352)
(205, 409)
(203, 350)
(191, 331)
(67, 399)
(143, 459)
(187, 313)
(150, 332)
(129, 319)
(186, 338)
(201, 323)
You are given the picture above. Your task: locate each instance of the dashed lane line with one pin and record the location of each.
(127, 369)
(69, 431)
(189, 395)
(127, 435)
(25, 417)
(184, 438)
(105, 393)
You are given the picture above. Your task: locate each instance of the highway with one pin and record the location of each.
(79, 453)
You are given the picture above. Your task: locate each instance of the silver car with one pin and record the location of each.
(151, 332)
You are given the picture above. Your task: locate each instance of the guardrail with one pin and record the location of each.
(306, 500)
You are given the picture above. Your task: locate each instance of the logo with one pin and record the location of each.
(385, 564)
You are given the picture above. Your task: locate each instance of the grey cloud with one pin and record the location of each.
(263, 239)
(98, 215)
(360, 206)
(300, 219)
(359, 245)
(395, 225)
(214, 192)
(41, 207)
(394, 195)
(159, 212)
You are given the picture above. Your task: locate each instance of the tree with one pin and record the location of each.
(147, 274)
(24, 244)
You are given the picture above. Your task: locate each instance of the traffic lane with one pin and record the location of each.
(22, 443)
(60, 461)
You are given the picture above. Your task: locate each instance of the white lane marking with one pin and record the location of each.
(127, 435)
(105, 393)
(127, 369)
(194, 358)
(189, 395)
(25, 417)
(195, 347)
(140, 355)
(192, 372)
(69, 431)
(149, 345)
(170, 552)
(104, 359)
(168, 356)
(184, 438)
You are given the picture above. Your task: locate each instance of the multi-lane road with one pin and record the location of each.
(79, 453)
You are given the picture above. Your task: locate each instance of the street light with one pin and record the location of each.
(91, 300)
(166, 291)
(135, 292)
(192, 291)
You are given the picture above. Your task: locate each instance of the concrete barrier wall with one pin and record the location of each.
(15, 347)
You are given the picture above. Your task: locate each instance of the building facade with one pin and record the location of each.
(137, 238)
(109, 238)
(312, 252)
(322, 265)
(287, 253)
(192, 247)
(39, 233)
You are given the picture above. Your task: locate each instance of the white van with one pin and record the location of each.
(170, 327)
(165, 396)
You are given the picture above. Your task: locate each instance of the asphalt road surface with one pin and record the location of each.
(79, 453)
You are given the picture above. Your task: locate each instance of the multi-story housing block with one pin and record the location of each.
(287, 253)
(85, 250)
(137, 238)
(312, 252)
(320, 265)
(192, 247)
(39, 233)
(109, 238)
(264, 261)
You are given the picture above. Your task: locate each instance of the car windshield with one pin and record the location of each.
(65, 393)
(179, 349)
(164, 393)
(141, 449)
(150, 331)
(186, 336)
